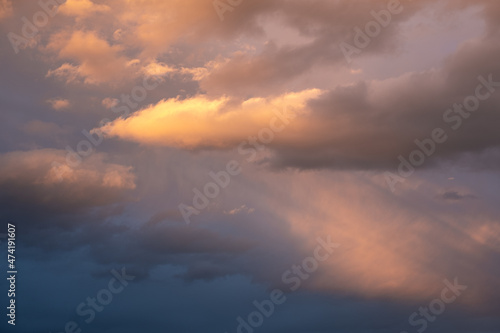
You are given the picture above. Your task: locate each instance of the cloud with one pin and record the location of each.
(59, 103)
(456, 196)
(369, 124)
(44, 129)
(199, 122)
(241, 209)
(323, 26)
(227, 80)
(180, 38)
(5, 8)
(97, 60)
(390, 248)
(187, 21)
(181, 246)
(40, 179)
(66, 72)
(109, 102)
(362, 126)
(157, 69)
(81, 8)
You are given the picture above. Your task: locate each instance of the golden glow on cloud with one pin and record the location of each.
(59, 104)
(97, 60)
(5, 8)
(157, 69)
(81, 8)
(201, 122)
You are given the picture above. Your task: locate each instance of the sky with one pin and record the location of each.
(299, 166)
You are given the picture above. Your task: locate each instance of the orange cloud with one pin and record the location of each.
(81, 8)
(157, 69)
(59, 104)
(155, 32)
(97, 60)
(201, 122)
(5, 8)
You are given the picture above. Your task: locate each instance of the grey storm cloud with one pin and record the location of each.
(368, 125)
